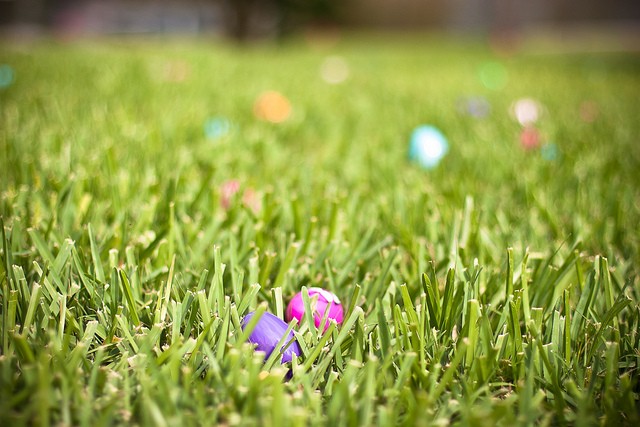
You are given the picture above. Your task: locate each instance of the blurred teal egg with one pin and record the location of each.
(550, 151)
(427, 146)
(6, 76)
(217, 127)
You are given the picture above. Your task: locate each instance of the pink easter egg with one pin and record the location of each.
(320, 300)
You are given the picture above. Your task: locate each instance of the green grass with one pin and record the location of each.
(499, 288)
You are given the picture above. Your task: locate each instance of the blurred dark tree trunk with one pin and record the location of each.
(6, 12)
(240, 11)
(294, 13)
(290, 15)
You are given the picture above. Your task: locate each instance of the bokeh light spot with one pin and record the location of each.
(334, 70)
(427, 146)
(493, 75)
(526, 111)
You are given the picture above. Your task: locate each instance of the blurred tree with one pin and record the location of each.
(239, 12)
(288, 15)
(295, 13)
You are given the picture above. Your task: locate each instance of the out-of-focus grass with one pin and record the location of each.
(499, 287)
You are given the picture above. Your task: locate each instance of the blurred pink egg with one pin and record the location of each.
(227, 190)
(530, 138)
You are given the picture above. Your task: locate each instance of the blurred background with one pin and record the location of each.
(257, 19)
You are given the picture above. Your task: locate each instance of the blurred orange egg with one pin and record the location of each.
(272, 106)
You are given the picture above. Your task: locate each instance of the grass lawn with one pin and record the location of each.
(500, 287)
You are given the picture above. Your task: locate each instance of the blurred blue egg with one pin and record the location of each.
(268, 332)
(217, 127)
(474, 106)
(6, 76)
(427, 146)
(550, 151)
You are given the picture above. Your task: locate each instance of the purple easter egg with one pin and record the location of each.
(325, 299)
(268, 332)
